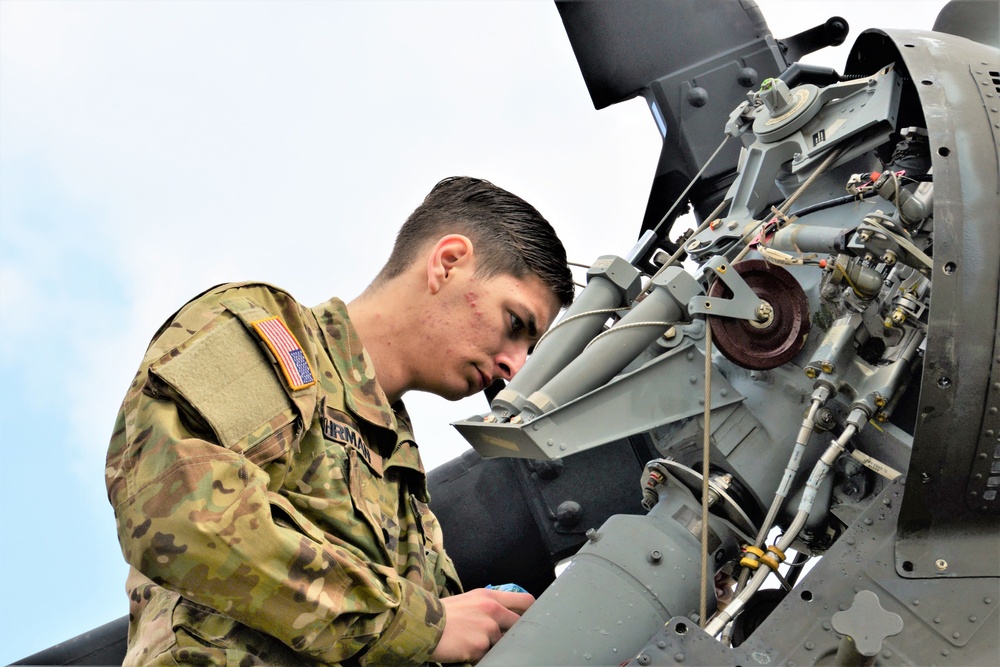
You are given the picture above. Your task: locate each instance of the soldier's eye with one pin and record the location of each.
(516, 324)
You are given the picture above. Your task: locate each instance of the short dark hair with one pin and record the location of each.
(509, 235)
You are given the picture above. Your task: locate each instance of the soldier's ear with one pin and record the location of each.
(450, 256)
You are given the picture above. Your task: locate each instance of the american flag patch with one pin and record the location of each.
(287, 351)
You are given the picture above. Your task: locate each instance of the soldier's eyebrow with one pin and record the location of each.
(532, 325)
(529, 320)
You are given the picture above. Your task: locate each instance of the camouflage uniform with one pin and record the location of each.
(270, 502)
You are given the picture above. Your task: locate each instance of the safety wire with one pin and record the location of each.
(576, 284)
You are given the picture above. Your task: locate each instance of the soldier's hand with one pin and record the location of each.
(475, 621)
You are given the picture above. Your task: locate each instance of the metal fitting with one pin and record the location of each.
(765, 311)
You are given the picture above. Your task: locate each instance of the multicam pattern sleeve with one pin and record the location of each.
(271, 504)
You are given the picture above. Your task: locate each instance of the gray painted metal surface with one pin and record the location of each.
(947, 515)
(904, 311)
(634, 403)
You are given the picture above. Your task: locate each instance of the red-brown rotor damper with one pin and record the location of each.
(763, 345)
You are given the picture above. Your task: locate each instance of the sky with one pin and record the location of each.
(149, 150)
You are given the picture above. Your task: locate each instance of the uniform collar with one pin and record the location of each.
(363, 394)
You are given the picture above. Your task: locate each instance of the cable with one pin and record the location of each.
(576, 317)
(795, 568)
(694, 180)
(705, 457)
(621, 327)
(830, 159)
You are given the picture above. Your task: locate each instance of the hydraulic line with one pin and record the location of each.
(857, 418)
(820, 395)
(831, 203)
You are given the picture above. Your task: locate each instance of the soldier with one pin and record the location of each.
(269, 496)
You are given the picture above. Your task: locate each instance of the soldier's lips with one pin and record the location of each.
(484, 379)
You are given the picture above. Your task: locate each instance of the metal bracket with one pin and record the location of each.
(744, 305)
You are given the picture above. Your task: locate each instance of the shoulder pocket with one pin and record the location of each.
(226, 378)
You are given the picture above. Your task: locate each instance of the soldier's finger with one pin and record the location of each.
(516, 602)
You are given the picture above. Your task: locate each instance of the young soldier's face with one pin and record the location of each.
(481, 330)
